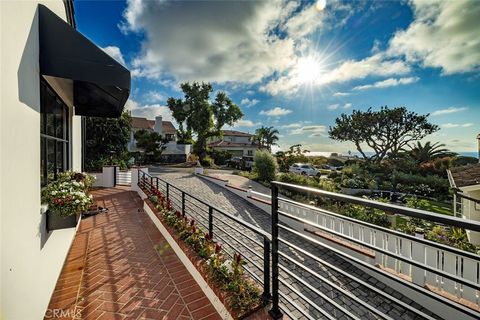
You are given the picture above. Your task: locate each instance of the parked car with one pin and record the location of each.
(304, 168)
(235, 162)
(247, 163)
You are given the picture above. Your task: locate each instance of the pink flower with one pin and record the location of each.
(237, 257)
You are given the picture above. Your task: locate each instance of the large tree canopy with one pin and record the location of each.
(152, 144)
(197, 114)
(266, 137)
(106, 140)
(386, 131)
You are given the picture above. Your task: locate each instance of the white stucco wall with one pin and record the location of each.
(31, 259)
(472, 211)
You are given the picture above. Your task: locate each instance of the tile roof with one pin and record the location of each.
(144, 123)
(223, 144)
(466, 175)
(236, 133)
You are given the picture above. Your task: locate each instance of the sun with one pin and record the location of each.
(308, 70)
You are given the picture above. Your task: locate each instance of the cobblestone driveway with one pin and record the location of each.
(227, 231)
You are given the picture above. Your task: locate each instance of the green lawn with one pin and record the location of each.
(440, 207)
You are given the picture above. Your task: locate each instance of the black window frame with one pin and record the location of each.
(55, 140)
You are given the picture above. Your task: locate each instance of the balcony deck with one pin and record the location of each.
(120, 267)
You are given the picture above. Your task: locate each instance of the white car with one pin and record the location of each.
(304, 168)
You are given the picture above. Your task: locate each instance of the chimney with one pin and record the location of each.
(158, 125)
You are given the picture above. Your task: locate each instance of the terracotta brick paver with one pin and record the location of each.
(121, 267)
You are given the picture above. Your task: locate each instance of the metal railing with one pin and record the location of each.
(205, 215)
(464, 278)
(294, 277)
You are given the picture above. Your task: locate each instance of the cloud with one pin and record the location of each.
(115, 53)
(292, 125)
(333, 106)
(312, 130)
(341, 94)
(448, 111)
(347, 106)
(246, 123)
(275, 112)
(249, 102)
(378, 65)
(149, 111)
(444, 34)
(391, 82)
(305, 22)
(456, 125)
(154, 96)
(209, 40)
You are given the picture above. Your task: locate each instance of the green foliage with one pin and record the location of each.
(265, 165)
(220, 157)
(293, 155)
(106, 141)
(207, 162)
(266, 137)
(152, 144)
(463, 161)
(386, 131)
(68, 195)
(428, 151)
(196, 114)
(371, 215)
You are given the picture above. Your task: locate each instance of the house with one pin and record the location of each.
(174, 152)
(465, 181)
(236, 143)
(52, 77)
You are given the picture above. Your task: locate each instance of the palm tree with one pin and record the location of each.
(266, 137)
(429, 151)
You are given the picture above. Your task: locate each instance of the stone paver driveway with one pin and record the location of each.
(238, 238)
(121, 267)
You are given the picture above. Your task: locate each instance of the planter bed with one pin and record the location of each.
(200, 264)
(56, 222)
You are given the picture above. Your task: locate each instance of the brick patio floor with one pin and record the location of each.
(121, 267)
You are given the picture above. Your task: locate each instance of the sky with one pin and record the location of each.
(298, 65)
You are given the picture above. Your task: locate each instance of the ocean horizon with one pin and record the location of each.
(327, 153)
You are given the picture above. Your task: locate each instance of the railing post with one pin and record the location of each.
(266, 296)
(151, 184)
(183, 203)
(275, 312)
(210, 221)
(167, 190)
(114, 176)
(157, 183)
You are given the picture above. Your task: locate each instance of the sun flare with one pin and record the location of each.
(308, 70)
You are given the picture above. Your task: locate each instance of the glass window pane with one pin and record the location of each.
(43, 178)
(51, 163)
(60, 157)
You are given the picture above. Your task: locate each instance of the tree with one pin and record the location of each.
(428, 151)
(265, 165)
(151, 142)
(196, 114)
(106, 141)
(266, 137)
(386, 131)
(294, 154)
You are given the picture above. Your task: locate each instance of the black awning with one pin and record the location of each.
(101, 85)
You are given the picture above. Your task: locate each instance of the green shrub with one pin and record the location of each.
(265, 166)
(207, 162)
(220, 157)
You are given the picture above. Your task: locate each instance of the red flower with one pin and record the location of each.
(192, 222)
(208, 237)
(218, 247)
(194, 229)
(237, 257)
(179, 214)
(185, 219)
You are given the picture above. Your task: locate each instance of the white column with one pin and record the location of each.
(135, 176)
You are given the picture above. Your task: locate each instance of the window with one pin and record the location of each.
(249, 152)
(54, 133)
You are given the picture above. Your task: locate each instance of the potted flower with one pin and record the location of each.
(66, 198)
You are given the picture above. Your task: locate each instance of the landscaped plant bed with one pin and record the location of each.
(238, 293)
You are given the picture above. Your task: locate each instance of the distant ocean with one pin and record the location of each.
(327, 154)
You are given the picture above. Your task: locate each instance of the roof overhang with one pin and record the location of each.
(101, 85)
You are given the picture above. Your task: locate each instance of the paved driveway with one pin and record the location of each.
(237, 237)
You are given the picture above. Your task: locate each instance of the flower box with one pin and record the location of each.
(56, 222)
(201, 266)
